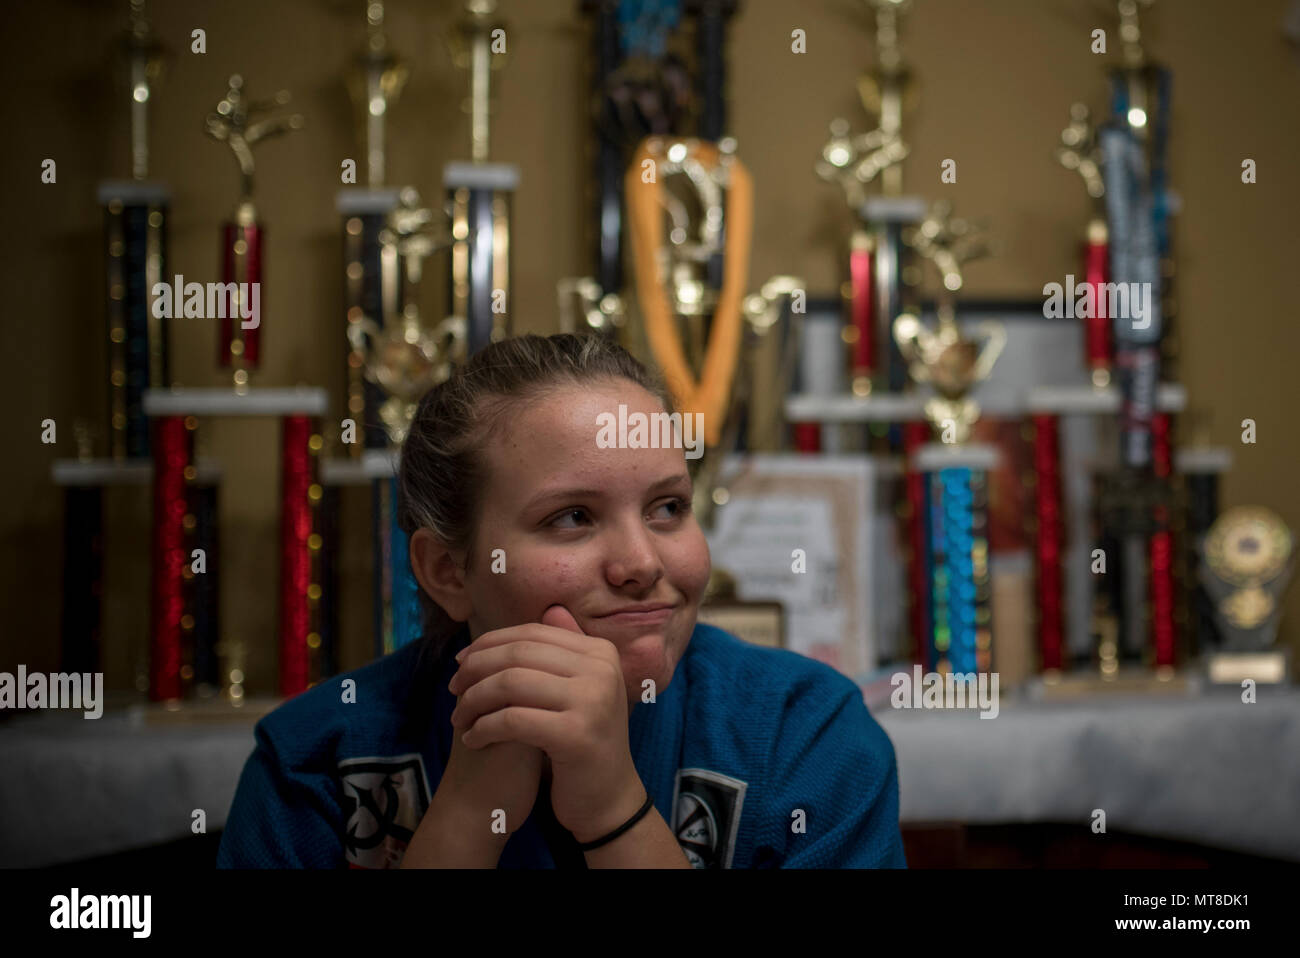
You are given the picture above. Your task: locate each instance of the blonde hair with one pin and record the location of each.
(443, 465)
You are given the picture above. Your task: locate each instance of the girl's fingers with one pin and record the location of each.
(511, 687)
(532, 632)
(546, 730)
(539, 656)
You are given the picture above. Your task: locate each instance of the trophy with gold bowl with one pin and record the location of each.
(954, 470)
(402, 356)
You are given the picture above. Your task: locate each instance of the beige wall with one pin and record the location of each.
(995, 80)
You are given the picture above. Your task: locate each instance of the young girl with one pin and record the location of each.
(563, 708)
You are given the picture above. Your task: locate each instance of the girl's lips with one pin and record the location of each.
(642, 619)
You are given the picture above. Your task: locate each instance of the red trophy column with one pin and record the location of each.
(1047, 508)
(1097, 328)
(1163, 632)
(299, 545)
(173, 467)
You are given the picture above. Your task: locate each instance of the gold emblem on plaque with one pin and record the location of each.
(1248, 547)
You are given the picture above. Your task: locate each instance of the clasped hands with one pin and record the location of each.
(550, 686)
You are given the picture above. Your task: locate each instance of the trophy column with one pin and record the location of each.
(1048, 539)
(1200, 469)
(956, 555)
(173, 444)
(1079, 151)
(135, 259)
(135, 231)
(372, 288)
(480, 198)
(300, 554)
(183, 647)
(243, 238)
(887, 217)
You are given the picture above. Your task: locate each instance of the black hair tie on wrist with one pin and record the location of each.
(588, 846)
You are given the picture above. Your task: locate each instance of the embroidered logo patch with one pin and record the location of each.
(383, 801)
(706, 815)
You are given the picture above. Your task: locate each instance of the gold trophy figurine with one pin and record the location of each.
(1080, 151)
(854, 161)
(230, 123)
(945, 357)
(403, 357)
(243, 236)
(375, 84)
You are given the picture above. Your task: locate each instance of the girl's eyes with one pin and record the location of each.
(564, 515)
(680, 505)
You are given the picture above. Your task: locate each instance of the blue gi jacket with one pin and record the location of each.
(741, 741)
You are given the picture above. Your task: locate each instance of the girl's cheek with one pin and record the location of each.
(557, 580)
(692, 564)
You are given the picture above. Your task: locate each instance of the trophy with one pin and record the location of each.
(876, 250)
(400, 356)
(703, 335)
(135, 230)
(952, 474)
(680, 306)
(243, 238)
(698, 332)
(1079, 151)
(135, 215)
(375, 82)
(642, 87)
(404, 360)
(479, 195)
(1136, 502)
(946, 357)
(1247, 564)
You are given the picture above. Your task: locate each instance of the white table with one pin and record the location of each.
(1202, 768)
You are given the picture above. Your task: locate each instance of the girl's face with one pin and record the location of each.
(594, 530)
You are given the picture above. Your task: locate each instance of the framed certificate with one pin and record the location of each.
(794, 532)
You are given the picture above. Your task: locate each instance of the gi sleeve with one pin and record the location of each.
(834, 762)
(282, 816)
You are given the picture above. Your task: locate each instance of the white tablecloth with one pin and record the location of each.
(1205, 769)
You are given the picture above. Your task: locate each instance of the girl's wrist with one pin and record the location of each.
(620, 812)
(453, 835)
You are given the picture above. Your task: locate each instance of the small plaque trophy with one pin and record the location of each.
(954, 471)
(243, 237)
(1247, 564)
